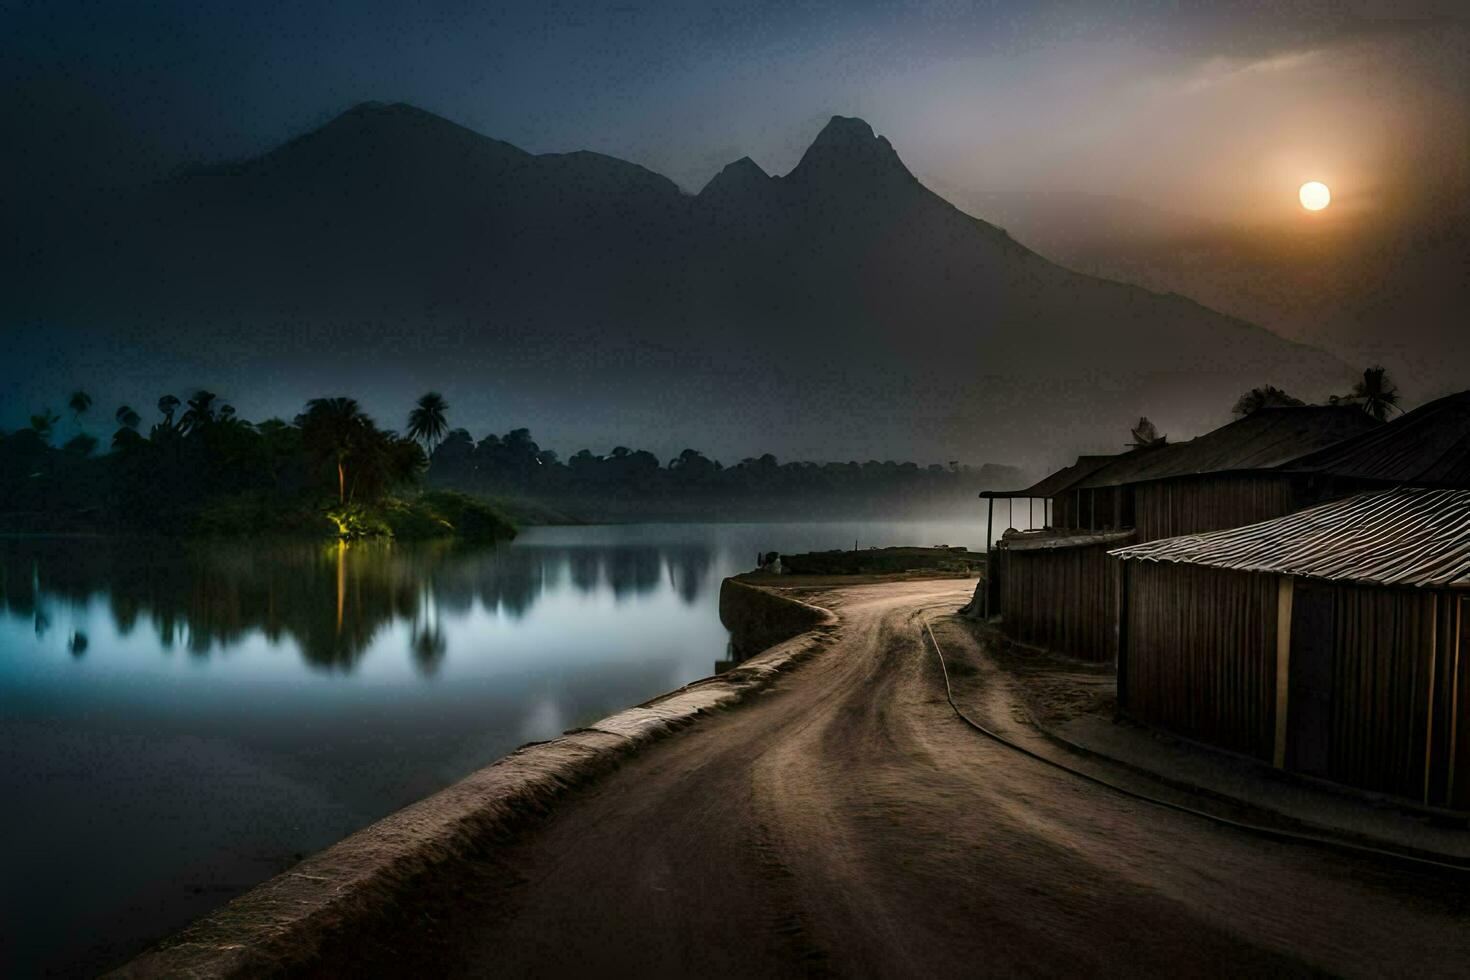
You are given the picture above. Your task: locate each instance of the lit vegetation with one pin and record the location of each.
(331, 472)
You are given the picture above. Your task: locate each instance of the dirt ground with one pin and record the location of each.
(847, 822)
(1053, 688)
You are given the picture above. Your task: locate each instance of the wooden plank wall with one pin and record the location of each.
(1457, 783)
(1102, 509)
(1201, 652)
(1398, 684)
(1063, 511)
(996, 564)
(1191, 505)
(1062, 599)
(1201, 661)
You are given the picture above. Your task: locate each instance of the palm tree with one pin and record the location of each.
(428, 645)
(81, 444)
(79, 402)
(381, 461)
(426, 421)
(1268, 396)
(1146, 435)
(1376, 394)
(332, 428)
(201, 411)
(125, 439)
(127, 418)
(44, 423)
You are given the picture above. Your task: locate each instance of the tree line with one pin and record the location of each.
(515, 460)
(201, 465)
(203, 468)
(1374, 393)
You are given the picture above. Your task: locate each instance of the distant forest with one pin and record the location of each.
(626, 483)
(200, 468)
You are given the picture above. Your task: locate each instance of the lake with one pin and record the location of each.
(179, 721)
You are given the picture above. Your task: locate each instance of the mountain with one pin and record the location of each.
(842, 310)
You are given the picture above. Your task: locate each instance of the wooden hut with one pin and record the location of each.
(1225, 478)
(1057, 590)
(1053, 586)
(1330, 641)
(1051, 494)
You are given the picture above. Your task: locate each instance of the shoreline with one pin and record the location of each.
(778, 835)
(284, 921)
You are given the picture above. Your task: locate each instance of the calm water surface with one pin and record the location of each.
(181, 721)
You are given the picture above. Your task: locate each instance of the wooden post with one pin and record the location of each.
(989, 568)
(1429, 714)
(1120, 654)
(1449, 791)
(1283, 666)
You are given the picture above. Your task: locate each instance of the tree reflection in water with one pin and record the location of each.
(332, 600)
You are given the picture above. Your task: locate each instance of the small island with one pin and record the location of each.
(201, 469)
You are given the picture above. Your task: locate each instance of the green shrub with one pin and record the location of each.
(467, 517)
(411, 520)
(356, 521)
(230, 515)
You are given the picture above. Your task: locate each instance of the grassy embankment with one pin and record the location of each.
(431, 514)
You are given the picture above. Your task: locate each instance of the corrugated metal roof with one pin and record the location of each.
(1263, 440)
(1428, 447)
(1051, 540)
(1404, 536)
(1060, 481)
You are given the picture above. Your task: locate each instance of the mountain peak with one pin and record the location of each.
(736, 178)
(391, 112)
(745, 167)
(846, 131)
(375, 134)
(395, 108)
(846, 150)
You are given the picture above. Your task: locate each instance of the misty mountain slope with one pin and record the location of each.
(850, 227)
(1388, 285)
(840, 310)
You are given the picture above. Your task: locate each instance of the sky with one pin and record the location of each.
(1199, 117)
(1240, 103)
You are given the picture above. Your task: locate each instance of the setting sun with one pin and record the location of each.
(1314, 195)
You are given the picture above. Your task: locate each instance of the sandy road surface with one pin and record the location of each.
(847, 822)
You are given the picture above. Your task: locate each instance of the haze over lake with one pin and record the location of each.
(182, 720)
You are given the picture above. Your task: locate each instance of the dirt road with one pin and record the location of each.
(848, 822)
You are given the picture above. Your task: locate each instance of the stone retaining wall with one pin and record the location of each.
(758, 618)
(283, 924)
